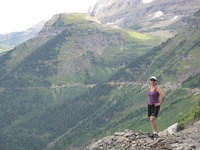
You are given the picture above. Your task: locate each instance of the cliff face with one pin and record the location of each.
(187, 139)
(142, 14)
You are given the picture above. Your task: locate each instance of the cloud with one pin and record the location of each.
(22, 14)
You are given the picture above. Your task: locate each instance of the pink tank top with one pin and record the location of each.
(153, 96)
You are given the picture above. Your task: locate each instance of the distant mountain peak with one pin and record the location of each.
(10, 40)
(144, 15)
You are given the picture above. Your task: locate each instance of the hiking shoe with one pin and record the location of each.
(155, 135)
(151, 135)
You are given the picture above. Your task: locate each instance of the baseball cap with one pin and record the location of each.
(153, 77)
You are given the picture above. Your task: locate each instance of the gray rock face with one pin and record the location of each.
(129, 140)
(129, 13)
(117, 12)
(51, 28)
(188, 139)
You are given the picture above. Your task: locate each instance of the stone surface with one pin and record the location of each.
(188, 139)
(170, 130)
(135, 12)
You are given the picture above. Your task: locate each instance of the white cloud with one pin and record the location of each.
(21, 14)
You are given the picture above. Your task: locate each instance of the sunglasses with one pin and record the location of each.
(152, 79)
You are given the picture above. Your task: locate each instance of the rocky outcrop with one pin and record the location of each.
(188, 139)
(129, 140)
(172, 130)
(51, 27)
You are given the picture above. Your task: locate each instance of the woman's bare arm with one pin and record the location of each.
(161, 95)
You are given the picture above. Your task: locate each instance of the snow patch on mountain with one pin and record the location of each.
(158, 14)
(174, 18)
(147, 1)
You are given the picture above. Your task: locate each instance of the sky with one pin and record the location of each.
(19, 15)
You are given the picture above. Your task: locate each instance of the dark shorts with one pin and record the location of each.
(153, 110)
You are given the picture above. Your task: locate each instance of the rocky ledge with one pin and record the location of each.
(188, 139)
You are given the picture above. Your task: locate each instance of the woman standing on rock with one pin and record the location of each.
(156, 97)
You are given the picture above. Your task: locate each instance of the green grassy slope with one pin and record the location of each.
(173, 61)
(83, 51)
(98, 112)
(192, 82)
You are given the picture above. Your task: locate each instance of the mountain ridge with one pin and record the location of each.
(10, 40)
(64, 51)
(157, 17)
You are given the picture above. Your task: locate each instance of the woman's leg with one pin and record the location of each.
(153, 123)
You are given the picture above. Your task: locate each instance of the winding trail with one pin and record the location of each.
(167, 86)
